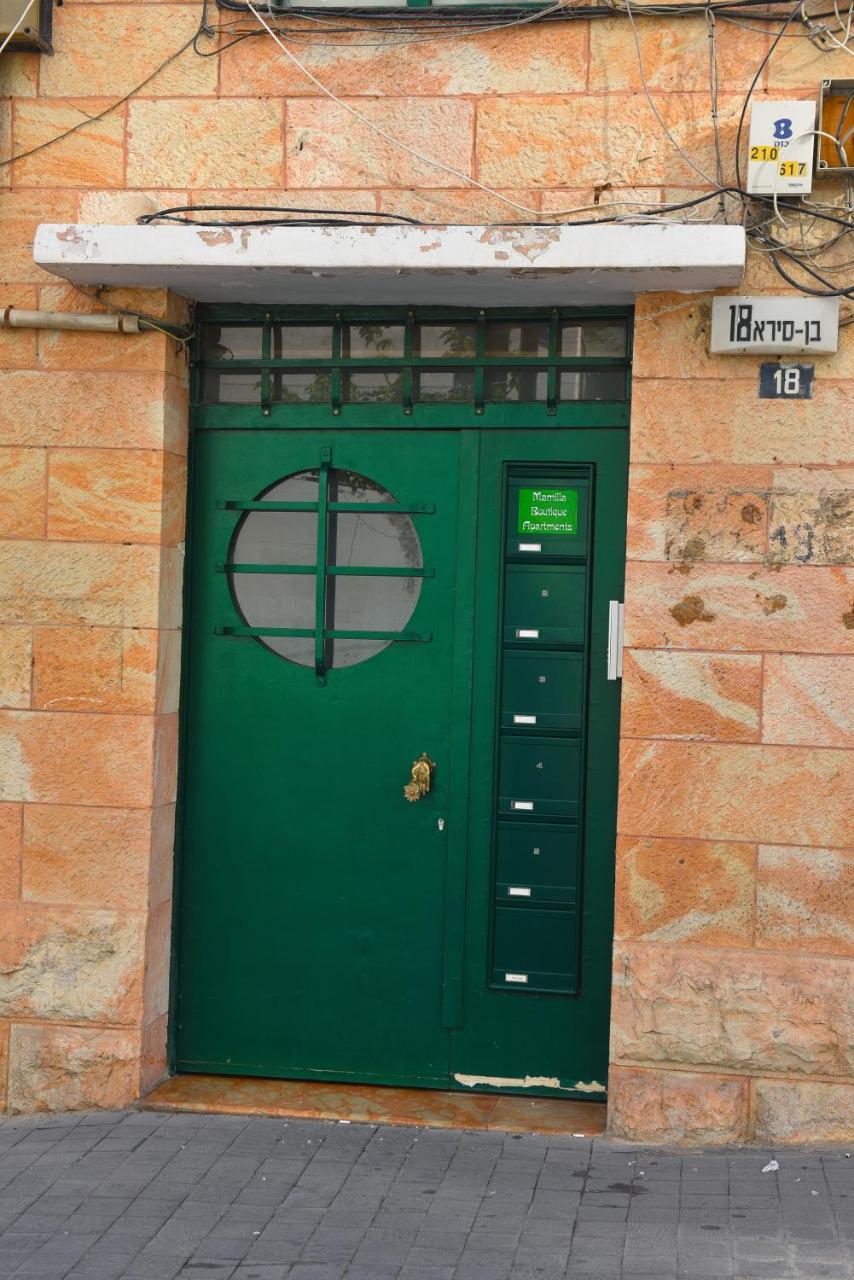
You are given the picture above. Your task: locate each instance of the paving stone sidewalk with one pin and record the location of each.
(149, 1196)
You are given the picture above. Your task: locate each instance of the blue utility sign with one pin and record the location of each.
(786, 381)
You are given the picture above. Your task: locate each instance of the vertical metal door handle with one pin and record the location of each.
(615, 640)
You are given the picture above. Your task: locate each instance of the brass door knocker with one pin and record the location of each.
(422, 778)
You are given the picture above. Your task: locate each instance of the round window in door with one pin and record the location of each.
(329, 563)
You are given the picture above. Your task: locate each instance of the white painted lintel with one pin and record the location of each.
(414, 265)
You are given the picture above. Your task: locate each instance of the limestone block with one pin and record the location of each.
(120, 208)
(86, 856)
(793, 608)
(676, 1106)
(22, 490)
(66, 964)
(539, 58)
(19, 74)
(750, 1012)
(162, 854)
(803, 1112)
(22, 212)
(158, 951)
(804, 899)
(4, 1062)
(685, 891)
(154, 1062)
(71, 1068)
(95, 669)
(735, 791)
(91, 156)
(128, 411)
(10, 852)
(728, 423)
(165, 769)
(326, 147)
(58, 758)
(168, 684)
(686, 513)
(673, 332)
(110, 495)
(435, 204)
(16, 644)
(582, 139)
(102, 585)
(18, 346)
(177, 142)
(809, 699)
(671, 694)
(675, 55)
(811, 516)
(107, 50)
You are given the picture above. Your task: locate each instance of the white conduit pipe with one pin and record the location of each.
(17, 318)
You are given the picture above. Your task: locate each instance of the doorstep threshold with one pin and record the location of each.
(377, 1104)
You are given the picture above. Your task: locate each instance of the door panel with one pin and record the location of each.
(540, 879)
(312, 893)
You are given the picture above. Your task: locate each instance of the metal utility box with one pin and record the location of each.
(835, 117)
(36, 29)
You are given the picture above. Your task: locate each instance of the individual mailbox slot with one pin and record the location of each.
(545, 604)
(539, 777)
(542, 859)
(542, 690)
(535, 950)
(539, 505)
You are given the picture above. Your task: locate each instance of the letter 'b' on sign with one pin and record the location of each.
(547, 512)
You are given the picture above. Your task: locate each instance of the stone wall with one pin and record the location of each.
(734, 904)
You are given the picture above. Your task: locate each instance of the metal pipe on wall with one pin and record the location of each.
(17, 318)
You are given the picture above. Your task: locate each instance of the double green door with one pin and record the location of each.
(371, 610)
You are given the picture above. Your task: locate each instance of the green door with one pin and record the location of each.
(386, 588)
(312, 896)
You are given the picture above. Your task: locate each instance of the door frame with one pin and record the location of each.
(337, 417)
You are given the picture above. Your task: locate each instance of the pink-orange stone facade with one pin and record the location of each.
(732, 1014)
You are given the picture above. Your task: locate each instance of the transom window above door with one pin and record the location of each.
(405, 359)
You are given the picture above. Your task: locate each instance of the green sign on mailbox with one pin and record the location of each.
(548, 511)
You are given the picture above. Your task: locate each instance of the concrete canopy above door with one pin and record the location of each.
(412, 265)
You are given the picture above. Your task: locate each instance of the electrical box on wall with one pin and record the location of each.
(836, 118)
(782, 142)
(34, 32)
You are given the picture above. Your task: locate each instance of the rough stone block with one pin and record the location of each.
(552, 56)
(16, 644)
(731, 791)
(685, 513)
(158, 950)
(179, 143)
(522, 141)
(728, 423)
(110, 495)
(71, 1068)
(108, 50)
(162, 854)
(129, 411)
(95, 669)
(22, 212)
(19, 74)
(326, 147)
(792, 608)
(63, 963)
(91, 156)
(676, 1106)
(88, 857)
(671, 694)
(165, 768)
(22, 493)
(10, 852)
(675, 55)
(809, 700)
(153, 1056)
(803, 1112)
(434, 204)
(811, 516)
(120, 208)
(750, 1012)
(167, 689)
(62, 758)
(804, 899)
(44, 582)
(685, 891)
